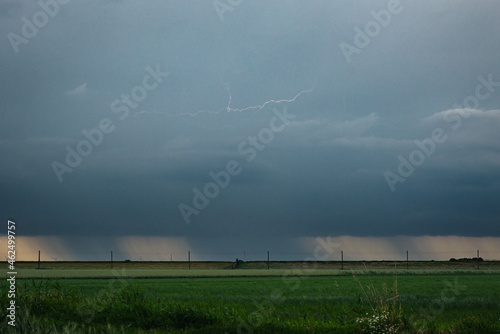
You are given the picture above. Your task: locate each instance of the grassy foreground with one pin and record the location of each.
(445, 303)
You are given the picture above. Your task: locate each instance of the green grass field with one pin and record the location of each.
(287, 299)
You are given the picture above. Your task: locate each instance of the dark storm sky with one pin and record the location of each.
(431, 68)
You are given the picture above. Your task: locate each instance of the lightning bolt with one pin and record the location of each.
(228, 108)
(262, 106)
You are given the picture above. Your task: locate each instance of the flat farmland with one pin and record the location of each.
(291, 297)
(181, 269)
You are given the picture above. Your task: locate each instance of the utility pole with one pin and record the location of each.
(478, 259)
(38, 259)
(111, 259)
(342, 258)
(406, 260)
(189, 260)
(267, 259)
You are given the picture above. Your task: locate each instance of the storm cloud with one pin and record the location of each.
(114, 113)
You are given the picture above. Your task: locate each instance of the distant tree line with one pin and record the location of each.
(467, 259)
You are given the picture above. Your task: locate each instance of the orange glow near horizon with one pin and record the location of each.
(419, 247)
(156, 248)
